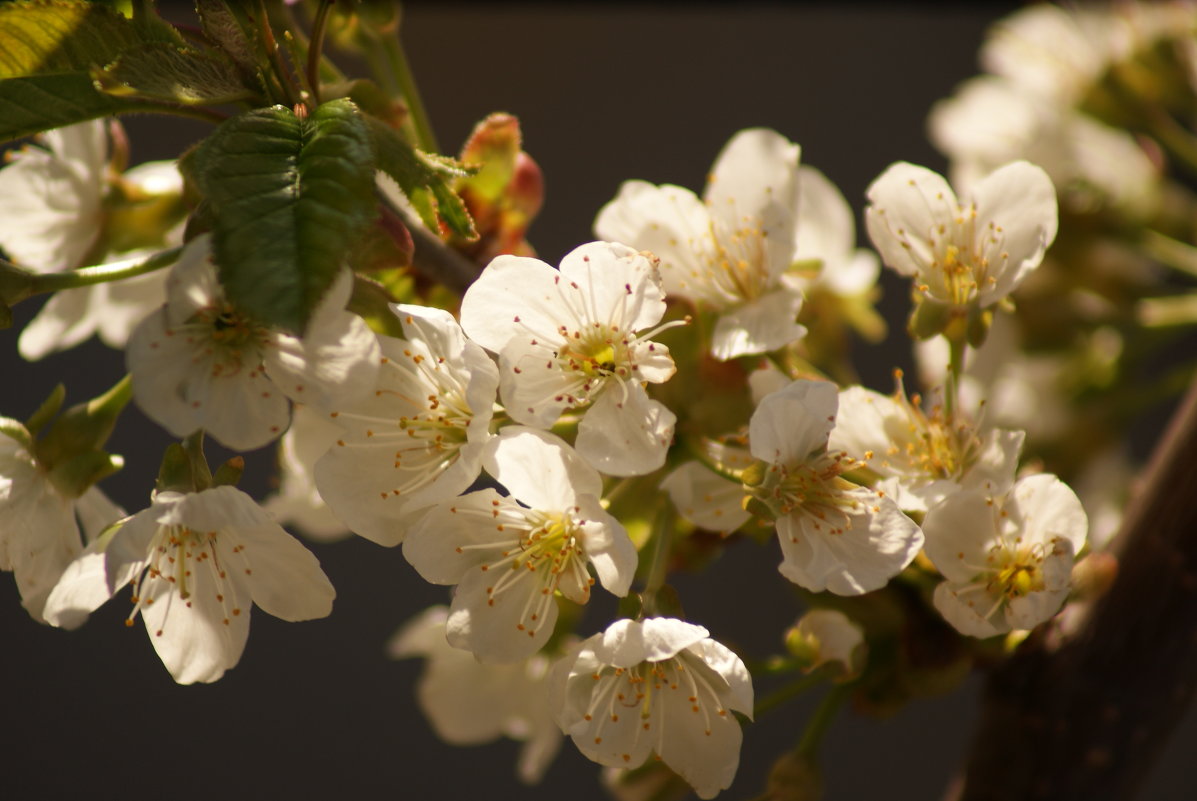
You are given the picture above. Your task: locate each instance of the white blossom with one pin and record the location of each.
(658, 686)
(40, 531)
(510, 555)
(834, 535)
(199, 362)
(469, 702)
(1006, 560)
(922, 456)
(826, 232)
(963, 251)
(197, 561)
(417, 439)
(570, 339)
(706, 498)
(731, 250)
(53, 218)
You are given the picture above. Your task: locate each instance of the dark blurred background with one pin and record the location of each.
(315, 710)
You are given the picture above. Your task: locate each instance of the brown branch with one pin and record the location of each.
(1085, 721)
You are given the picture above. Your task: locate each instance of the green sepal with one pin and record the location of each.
(930, 318)
(289, 197)
(15, 430)
(47, 411)
(425, 180)
(73, 475)
(371, 301)
(630, 606)
(665, 603)
(229, 473)
(159, 71)
(184, 468)
(979, 321)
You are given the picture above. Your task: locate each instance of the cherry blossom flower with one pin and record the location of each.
(974, 250)
(196, 562)
(53, 217)
(834, 535)
(510, 555)
(729, 252)
(658, 686)
(40, 525)
(1007, 560)
(417, 439)
(469, 702)
(922, 457)
(198, 362)
(569, 339)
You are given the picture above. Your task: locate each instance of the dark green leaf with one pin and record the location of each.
(424, 179)
(289, 197)
(38, 103)
(40, 38)
(222, 27)
(160, 71)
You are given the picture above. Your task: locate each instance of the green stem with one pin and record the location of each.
(401, 70)
(274, 52)
(821, 720)
(1178, 255)
(87, 276)
(658, 568)
(787, 693)
(315, 48)
(955, 371)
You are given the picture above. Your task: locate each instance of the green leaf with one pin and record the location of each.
(289, 197)
(221, 26)
(48, 47)
(160, 71)
(424, 179)
(51, 36)
(38, 103)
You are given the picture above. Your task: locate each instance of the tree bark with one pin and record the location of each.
(1085, 719)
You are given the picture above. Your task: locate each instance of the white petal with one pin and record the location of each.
(698, 743)
(848, 550)
(754, 184)
(1016, 222)
(1048, 510)
(621, 286)
(287, 581)
(963, 606)
(608, 547)
(496, 626)
(731, 669)
(1028, 611)
(706, 499)
(448, 541)
(790, 424)
(626, 642)
(766, 324)
(826, 230)
(539, 469)
(960, 531)
(669, 221)
(626, 433)
(64, 322)
(907, 203)
(513, 297)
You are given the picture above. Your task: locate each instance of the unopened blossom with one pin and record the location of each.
(297, 501)
(657, 686)
(962, 251)
(575, 338)
(468, 702)
(199, 362)
(417, 438)
(53, 217)
(510, 555)
(828, 637)
(196, 562)
(1006, 559)
(40, 531)
(922, 455)
(834, 535)
(730, 251)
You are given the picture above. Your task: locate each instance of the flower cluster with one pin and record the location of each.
(575, 430)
